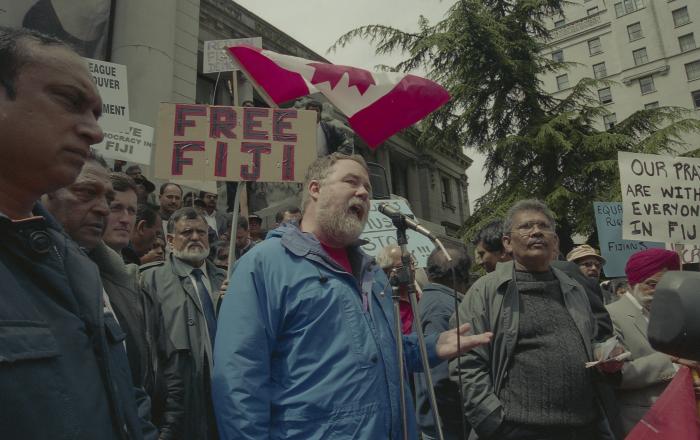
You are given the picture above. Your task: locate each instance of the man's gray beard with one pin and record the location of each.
(340, 226)
(642, 299)
(191, 256)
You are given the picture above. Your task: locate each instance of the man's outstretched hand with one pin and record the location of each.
(447, 342)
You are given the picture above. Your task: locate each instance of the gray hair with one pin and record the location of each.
(321, 168)
(384, 259)
(188, 213)
(527, 205)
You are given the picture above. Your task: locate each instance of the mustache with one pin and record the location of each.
(536, 241)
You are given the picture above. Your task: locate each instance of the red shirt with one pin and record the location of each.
(340, 256)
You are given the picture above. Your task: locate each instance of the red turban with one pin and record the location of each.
(646, 263)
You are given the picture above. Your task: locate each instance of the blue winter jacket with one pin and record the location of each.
(298, 356)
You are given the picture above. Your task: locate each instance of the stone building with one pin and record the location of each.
(648, 48)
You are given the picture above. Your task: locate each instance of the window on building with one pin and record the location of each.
(634, 31)
(594, 46)
(563, 82)
(696, 98)
(627, 7)
(446, 192)
(559, 23)
(686, 42)
(680, 16)
(599, 70)
(610, 121)
(593, 10)
(605, 96)
(558, 56)
(640, 56)
(646, 85)
(692, 70)
(651, 105)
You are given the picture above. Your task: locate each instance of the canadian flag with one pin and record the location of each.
(674, 415)
(377, 104)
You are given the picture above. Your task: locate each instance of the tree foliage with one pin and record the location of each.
(489, 54)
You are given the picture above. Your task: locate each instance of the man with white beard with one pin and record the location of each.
(305, 347)
(187, 285)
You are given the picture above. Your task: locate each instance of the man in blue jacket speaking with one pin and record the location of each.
(305, 344)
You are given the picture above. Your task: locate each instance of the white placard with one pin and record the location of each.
(689, 253)
(110, 80)
(380, 232)
(660, 198)
(132, 146)
(216, 58)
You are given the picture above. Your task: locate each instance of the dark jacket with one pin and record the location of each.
(336, 139)
(604, 327)
(188, 412)
(140, 316)
(492, 304)
(37, 258)
(436, 306)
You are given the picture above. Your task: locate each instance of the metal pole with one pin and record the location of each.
(396, 296)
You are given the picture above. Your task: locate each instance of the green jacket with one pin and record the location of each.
(492, 304)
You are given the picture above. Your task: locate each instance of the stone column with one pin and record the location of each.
(465, 211)
(145, 41)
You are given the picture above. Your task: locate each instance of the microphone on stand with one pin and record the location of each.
(411, 224)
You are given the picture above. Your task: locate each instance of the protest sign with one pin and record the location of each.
(217, 59)
(133, 146)
(110, 80)
(380, 232)
(689, 253)
(660, 197)
(615, 250)
(202, 142)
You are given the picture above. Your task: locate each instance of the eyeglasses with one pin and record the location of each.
(528, 228)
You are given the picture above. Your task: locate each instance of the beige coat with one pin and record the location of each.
(647, 373)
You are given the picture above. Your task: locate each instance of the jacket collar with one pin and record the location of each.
(109, 262)
(435, 287)
(504, 273)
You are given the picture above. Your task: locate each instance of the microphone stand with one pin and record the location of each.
(405, 279)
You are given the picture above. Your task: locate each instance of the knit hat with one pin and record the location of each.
(644, 264)
(583, 251)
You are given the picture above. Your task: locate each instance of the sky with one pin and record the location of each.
(318, 23)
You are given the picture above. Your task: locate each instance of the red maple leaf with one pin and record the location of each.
(332, 73)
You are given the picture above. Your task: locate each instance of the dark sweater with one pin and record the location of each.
(547, 383)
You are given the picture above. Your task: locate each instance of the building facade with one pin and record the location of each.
(650, 49)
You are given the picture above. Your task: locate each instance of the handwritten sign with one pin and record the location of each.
(660, 197)
(615, 250)
(689, 253)
(110, 80)
(133, 146)
(216, 57)
(202, 142)
(381, 232)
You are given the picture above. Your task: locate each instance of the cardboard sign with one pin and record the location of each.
(216, 57)
(202, 142)
(615, 250)
(110, 80)
(689, 253)
(660, 198)
(380, 232)
(134, 146)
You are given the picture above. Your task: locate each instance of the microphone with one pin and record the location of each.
(392, 213)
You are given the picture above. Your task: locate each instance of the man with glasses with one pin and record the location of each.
(588, 260)
(531, 382)
(646, 376)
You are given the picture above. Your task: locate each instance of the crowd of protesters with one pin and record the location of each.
(118, 319)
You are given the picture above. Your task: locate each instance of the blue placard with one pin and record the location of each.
(615, 250)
